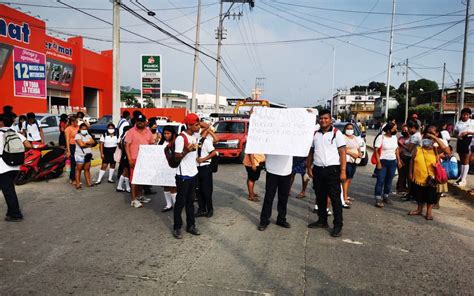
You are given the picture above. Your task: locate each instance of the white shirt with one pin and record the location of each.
(445, 136)
(280, 165)
(32, 131)
(389, 146)
(326, 147)
(121, 125)
(82, 151)
(207, 148)
(109, 141)
(464, 126)
(188, 165)
(3, 166)
(353, 145)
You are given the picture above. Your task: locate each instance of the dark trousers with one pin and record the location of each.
(205, 187)
(274, 183)
(184, 199)
(7, 186)
(72, 173)
(403, 181)
(327, 182)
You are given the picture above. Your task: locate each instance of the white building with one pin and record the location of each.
(206, 102)
(358, 104)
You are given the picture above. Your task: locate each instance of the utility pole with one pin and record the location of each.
(218, 67)
(390, 61)
(441, 108)
(464, 53)
(196, 59)
(116, 62)
(259, 83)
(457, 103)
(333, 71)
(407, 86)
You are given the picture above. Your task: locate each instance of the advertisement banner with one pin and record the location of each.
(30, 73)
(151, 77)
(60, 75)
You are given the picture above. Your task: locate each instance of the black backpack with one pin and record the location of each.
(13, 149)
(214, 165)
(170, 153)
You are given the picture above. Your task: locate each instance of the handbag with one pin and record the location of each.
(440, 173)
(373, 159)
(451, 167)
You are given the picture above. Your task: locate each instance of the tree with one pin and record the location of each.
(318, 107)
(381, 87)
(359, 88)
(130, 100)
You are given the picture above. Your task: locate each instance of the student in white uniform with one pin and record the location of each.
(8, 173)
(279, 168)
(169, 135)
(108, 145)
(32, 129)
(464, 130)
(186, 176)
(326, 164)
(205, 185)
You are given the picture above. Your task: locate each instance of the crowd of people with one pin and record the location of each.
(331, 164)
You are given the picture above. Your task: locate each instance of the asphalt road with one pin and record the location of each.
(93, 243)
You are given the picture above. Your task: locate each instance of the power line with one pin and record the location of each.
(359, 11)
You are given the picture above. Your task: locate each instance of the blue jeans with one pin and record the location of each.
(385, 178)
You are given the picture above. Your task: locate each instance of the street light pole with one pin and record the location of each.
(464, 54)
(116, 62)
(333, 70)
(218, 67)
(389, 61)
(196, 59)
(406, 87)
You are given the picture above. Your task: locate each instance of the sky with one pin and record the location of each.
(290, 43)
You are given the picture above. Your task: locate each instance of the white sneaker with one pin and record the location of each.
(329, 212)
(461, 184)
(144, 199)
(136, 204)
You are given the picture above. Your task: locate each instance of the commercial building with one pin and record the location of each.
(356, 105)
(40, 73)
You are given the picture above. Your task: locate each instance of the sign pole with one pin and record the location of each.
(116, 63)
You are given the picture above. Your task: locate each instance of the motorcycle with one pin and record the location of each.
(41, 167)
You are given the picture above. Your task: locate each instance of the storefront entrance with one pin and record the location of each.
(91, 101)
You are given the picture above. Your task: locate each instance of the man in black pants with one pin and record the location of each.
(328, 155)
(205, 184)
(8, 174)
(278, 178)
(185, 150)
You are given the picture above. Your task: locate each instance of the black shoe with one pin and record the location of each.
(166, 209)
(210, 214)
(337, 232)
(200, 214)
(111, 181)
(283, 224)
(193, 230)
(177, 234)
(262, 227)
(13, 219)
(119, 190)
(318, 224)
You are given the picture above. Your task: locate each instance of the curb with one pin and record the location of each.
(464, 194)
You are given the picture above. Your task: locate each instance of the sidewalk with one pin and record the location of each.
(464, 192)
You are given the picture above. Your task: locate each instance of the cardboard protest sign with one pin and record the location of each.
(152, 167)
(280, 131)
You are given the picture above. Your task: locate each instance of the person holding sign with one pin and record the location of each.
(169, 135)
(186, 152)
(326, 164)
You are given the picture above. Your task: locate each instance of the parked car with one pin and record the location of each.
(232, 137)
(100, 127)
(360, 136)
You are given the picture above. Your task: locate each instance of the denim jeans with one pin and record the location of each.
(385, 178)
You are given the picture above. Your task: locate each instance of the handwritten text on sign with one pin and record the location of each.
(152, 167)
(280, 131)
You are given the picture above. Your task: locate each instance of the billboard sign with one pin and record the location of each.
(151, 77)
(29, 73)
(60, 75)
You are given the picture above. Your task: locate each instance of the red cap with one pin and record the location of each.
(191, 118)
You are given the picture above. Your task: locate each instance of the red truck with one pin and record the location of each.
(232, 135)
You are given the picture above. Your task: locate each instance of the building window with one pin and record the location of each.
(343, 98)
(342, 108)
(358, 98)
(371, 98)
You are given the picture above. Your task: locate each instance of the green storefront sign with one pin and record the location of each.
(151, 63)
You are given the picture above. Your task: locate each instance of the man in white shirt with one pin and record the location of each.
(326, 164)
(186, 152)
(8, 174)
(278, 179)
(206, 152)
(32, 129)
(123, 122)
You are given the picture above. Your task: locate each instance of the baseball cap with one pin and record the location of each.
(141, 118)
(191, 118)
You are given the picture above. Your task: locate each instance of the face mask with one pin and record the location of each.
(111, 130)
(349, 132)
(405, 134)
(84, 132)
(394, 133)
(153, 130)
(426, 142)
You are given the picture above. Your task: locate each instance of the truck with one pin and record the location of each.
(232, 138)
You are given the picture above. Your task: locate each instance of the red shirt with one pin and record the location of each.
(136, 137)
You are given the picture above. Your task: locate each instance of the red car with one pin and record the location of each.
(232, 136)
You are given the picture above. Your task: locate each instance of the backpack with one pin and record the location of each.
(171, 154)
(13, 149)
(214, 165)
